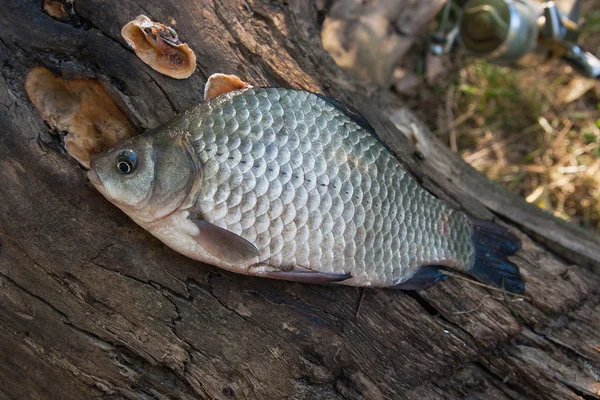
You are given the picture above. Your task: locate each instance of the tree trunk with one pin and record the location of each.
(91, 305)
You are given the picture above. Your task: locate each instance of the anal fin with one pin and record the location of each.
(425, 277)
(296, 275)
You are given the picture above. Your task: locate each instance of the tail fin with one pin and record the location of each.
(493, 244)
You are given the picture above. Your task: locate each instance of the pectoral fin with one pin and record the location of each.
(223, 244)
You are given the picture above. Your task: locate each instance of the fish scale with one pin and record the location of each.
(311, 189)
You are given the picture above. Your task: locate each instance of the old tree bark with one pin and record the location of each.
(93, 306)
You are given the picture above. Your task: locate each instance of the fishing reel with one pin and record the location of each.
(517, 32)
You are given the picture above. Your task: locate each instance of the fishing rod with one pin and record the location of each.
(518, 33)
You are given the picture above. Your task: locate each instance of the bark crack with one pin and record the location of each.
(249, 56)
(39, 298)
(150, 282)
(58, 359)
(211, 292)
(163, 91)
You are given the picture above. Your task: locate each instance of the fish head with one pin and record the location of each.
(149, 176)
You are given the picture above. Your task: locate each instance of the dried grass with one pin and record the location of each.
(525, 137)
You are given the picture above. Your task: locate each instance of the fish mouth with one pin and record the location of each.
(94, 177)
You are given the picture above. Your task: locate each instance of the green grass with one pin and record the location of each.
(496, 94)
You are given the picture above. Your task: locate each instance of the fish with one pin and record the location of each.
(289, 184)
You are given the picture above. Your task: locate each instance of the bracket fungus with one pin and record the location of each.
(220, 83)
(55, 9)
(81, 108)
(158, 46)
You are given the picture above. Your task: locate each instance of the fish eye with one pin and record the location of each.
(126, 162)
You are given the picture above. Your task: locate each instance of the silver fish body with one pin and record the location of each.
(305, 185)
